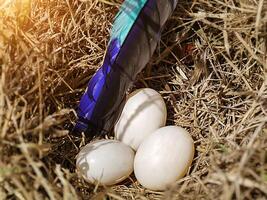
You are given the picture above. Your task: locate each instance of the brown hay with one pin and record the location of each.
(210, 67)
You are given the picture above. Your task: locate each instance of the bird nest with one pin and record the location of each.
(210, 67)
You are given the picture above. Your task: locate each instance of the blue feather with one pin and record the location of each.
(134, 36)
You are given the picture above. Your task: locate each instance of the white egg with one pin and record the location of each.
(106, 162)
(143, 113)
(164, 157)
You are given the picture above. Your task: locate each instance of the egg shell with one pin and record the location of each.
(144, 112)
(105, 162)
(164, 157)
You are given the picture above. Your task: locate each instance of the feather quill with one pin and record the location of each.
(134, 36)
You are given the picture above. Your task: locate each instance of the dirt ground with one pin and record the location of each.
(210, 67)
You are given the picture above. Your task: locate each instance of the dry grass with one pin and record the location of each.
(210, 67)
